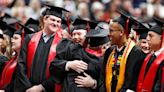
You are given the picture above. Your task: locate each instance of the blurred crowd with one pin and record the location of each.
(98, 10)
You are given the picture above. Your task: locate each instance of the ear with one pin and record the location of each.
(45, 18)
(122, 32)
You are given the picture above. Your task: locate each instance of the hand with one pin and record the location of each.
(86, 81)
(78, 65)
(2, 90)
(36, 88)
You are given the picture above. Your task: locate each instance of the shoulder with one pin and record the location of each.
(63, 45)
(137, 51)
(109, 50)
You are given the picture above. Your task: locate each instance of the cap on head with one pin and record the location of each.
(84, 24)
(124, 20)
(98, 36)
(141, 28)
(53, 10)
(158, 27)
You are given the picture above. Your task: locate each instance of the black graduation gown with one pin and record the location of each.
(133, 65)
(38, 68)
(10, 86)
(3, 60)
(68, 51)
(157, 82)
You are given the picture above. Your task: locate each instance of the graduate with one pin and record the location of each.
(123, 60)
(142, 29)
(100, 35)
(36, 54)
(94, 48)
(73, 62)
(8, 69)
(151, 77)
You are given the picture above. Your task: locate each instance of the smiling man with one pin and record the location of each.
(38, 51)
(123, 60)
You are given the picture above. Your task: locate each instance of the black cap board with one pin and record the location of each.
(84, 24)
(124, 20)
(54, 10)
(158, 27)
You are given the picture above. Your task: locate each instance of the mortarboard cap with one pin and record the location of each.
(158, 27)
(141, 28)
(7, 29)
(99, 41)
(104, 25)
(124, 20)
(84, 24)
(53, 10)
(10, 20)
(26, 29)
(32, 24)
(99, 35)
(97, 32)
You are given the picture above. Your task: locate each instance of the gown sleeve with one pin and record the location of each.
(57, 67)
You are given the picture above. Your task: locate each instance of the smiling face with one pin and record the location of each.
(52, 23)
(115, 33)
(78, 36)
(143, 44)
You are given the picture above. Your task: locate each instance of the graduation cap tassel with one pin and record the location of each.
(88, 28)
(127, 25)
(162, 37)
(22, 38)
(68, 24)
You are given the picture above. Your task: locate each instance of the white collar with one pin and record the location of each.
(119, 49)
(159, 51)
(45, 34)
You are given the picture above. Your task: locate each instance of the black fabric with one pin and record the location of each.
(9, 87)
(38, 68)
(133, 65)
(97, 32)
(53, 10)
(158, 27)
(82, 24)
(3, 60)
(122, 20)
(143, 36)
(97, 41)
(72, 52)
(157, 82)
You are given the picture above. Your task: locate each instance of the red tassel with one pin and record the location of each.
(22, 37)
(127, 25)
(88, 27)
(162, 36)
(68, 24)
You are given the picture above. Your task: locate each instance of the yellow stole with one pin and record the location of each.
(108, 79)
